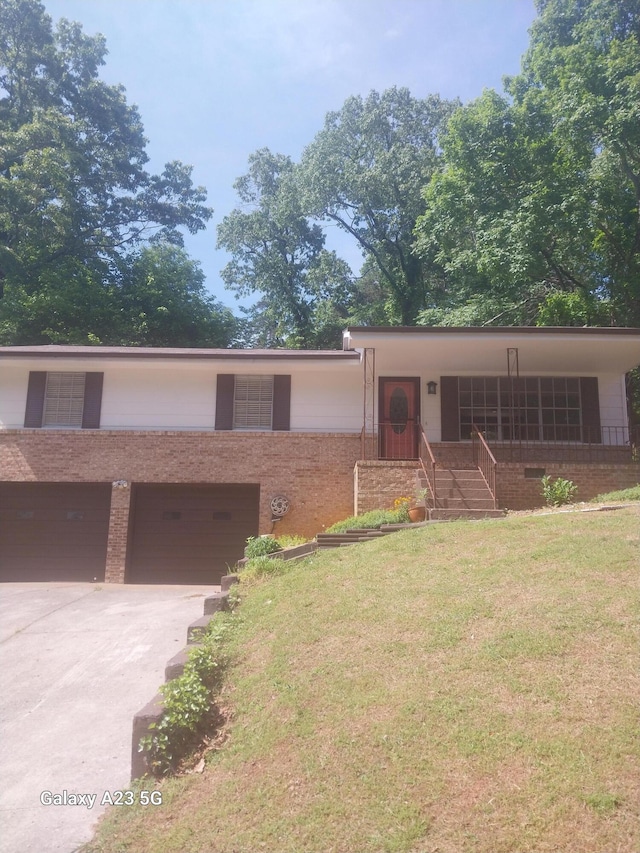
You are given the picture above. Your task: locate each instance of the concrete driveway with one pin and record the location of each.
(77, 661)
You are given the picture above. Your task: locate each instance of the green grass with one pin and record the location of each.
(632, 494)
(466, 688)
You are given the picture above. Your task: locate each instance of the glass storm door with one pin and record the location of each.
(399, 417)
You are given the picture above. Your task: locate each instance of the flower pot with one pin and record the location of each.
(417, 513)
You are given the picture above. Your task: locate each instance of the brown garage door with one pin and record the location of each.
(190, 534)
(53, 531)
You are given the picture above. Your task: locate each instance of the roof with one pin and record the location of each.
(457, 350)
(68, 351)
(495, 330)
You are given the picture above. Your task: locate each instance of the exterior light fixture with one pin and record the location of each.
(431, 387)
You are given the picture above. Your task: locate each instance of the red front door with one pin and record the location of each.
(399, 417)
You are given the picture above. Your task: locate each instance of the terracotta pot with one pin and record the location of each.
(417, 513)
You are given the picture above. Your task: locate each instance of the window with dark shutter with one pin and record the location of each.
(530, 408)
(253, 402)
(64, 399)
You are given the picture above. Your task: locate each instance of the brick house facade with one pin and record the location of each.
(139, 465)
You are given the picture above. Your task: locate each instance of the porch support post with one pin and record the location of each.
(368, 449)
(118, 532)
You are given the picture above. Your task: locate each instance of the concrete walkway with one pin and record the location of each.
(77, 661)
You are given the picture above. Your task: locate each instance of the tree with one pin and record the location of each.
(162, 301)
(156, 297)
(277, 253)
(364, 172)
(74, 193)
(537, 205)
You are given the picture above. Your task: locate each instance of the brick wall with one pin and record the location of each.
(378, 483)
(515, 491)
(314, 470)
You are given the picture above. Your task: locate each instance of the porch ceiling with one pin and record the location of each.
(446, 351)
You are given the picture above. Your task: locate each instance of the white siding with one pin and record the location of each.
(327, 403)
(161, 398)
(14, 379)
(168, 396)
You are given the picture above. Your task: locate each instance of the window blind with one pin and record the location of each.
(253, 402)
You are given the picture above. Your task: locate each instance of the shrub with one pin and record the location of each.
(558, 492)
(188, 701)
(260, 546)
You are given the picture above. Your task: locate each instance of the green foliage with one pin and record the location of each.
(290, 540)
(75, 197)
(188, 701)
(264, 566)
(258, 546)
(278, 253)
(363, 172)
(558, 492)
(538, 201)
(162, 302)
(371, 520)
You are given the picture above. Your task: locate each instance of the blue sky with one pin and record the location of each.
(215, 80)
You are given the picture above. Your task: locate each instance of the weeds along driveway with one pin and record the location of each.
(77, 661)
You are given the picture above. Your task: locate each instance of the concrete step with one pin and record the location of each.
(464, 503)
(352, 537)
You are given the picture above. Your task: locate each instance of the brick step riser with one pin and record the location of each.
(468, 514)
(470, 504)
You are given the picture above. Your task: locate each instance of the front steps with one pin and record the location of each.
(461, 493)
(351, 537)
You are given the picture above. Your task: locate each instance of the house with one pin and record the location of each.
(131, 464)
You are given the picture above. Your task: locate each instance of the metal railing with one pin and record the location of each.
(485, 460)
(428, 465)
(591, 444)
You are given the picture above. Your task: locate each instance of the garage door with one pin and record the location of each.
(190, 534)
(54, 531)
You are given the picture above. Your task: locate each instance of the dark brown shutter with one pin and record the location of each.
(590, 409)
(449, 409)
(224, 401)
(35, 398)
(92, 400)
(281, 402)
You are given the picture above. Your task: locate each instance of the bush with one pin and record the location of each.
(188, 701)
(558, 492)
(260, 546)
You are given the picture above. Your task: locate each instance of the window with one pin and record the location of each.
(523, 409)
(246, 402)
(253, 402)
(63, 400)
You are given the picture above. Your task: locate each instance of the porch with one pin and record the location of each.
(510, 471)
